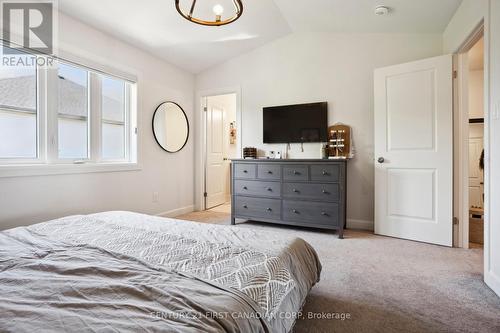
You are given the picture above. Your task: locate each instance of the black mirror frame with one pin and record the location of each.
(153, 127)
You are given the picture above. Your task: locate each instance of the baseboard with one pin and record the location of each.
(493, 282)
(359, 224)
(177, 211)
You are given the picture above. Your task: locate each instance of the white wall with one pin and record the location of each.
(27, 200)
(466, 19)
(312, 67)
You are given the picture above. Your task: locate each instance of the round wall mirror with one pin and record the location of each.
(170, 127)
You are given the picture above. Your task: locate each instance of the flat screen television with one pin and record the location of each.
(296, 123)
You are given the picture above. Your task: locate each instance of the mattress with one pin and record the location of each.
(122, 271)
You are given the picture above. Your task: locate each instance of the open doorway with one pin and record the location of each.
(475, 59)
(469, 142)
(219, 148)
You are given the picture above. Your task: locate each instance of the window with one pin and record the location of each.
(18, 112)
(113, 118)
(73, 112)
(66, 114)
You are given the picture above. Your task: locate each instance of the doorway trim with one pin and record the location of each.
(461, 134)
(201, 135)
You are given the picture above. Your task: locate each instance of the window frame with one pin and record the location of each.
(126, 122)
(48, 161)
(53, 117)
(40, 114)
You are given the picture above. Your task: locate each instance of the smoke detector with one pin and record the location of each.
(382, 10)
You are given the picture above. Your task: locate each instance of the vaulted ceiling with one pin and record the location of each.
(155, 25)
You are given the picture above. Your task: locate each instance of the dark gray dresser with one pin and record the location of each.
(308, 193)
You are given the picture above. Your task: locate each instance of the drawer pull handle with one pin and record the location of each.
(270, 172)
(269, 209)
(295, 211)
(245, 171)
(295, 190)
(269, 189)
(245, 188)
(325, 173)
(295, 172)
(324, 214)
(245, 206)
(324, 191)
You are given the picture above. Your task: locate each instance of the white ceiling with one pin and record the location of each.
(406, 16)
(156, 27)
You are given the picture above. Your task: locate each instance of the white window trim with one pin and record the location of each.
(47, 161)
(24, 170)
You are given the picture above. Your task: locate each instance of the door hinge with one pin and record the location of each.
(205, 109)
(455, 74)
(455, 221)
(205, 194)
(135, 130)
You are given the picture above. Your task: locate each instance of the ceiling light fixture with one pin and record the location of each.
(382, 10)
(218, 11)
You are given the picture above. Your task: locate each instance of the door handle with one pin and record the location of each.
(381, 160)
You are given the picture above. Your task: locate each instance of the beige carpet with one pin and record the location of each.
(389, 285)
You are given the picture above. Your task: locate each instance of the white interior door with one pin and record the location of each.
(413, 151)
(475, 173)
(215, 167)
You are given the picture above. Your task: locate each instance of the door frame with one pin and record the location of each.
(201, 136)
(461, 136)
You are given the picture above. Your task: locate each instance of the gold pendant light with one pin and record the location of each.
(218, 10)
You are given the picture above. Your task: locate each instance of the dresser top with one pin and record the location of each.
(290, 160)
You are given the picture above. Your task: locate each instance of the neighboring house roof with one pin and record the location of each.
(18, 92)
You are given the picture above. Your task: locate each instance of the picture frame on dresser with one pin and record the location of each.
(305, 192)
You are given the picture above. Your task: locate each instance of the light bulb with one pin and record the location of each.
(218, 10)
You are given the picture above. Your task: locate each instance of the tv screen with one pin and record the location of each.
(296, 123)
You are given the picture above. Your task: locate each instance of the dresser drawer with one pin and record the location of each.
(257, 207)
(257, 188)
(325, 173)
(322, 192)
(296, 172)
(245, 170)
(312, 212)
(269, 171)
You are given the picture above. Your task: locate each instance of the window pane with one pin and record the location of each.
(73, 112)
(72, 138)
(18, 108)
(113, 141)
(113, 99)
(113, 118)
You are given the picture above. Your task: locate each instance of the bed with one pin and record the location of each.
(129, 272)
